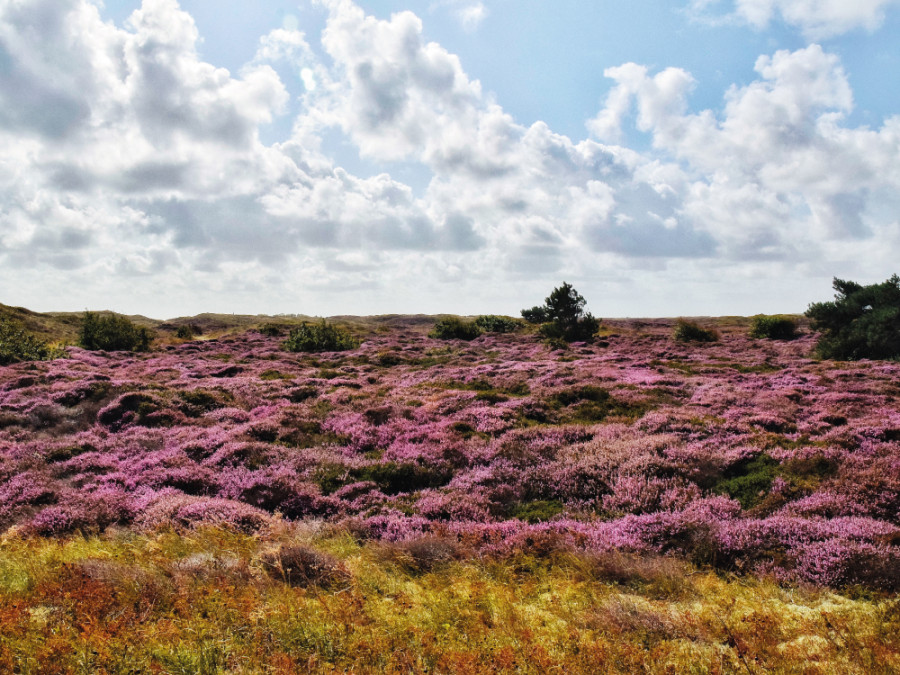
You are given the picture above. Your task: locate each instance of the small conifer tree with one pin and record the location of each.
(562, 316)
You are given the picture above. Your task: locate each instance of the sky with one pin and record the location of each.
(329, 157)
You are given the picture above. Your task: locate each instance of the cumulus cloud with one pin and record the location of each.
(526, 188)
(130, 164)
(399, 97)
(817, 19)
(776, 174)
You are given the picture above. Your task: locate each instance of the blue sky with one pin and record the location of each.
(335, 157)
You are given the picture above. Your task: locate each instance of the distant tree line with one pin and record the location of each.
(862, 322)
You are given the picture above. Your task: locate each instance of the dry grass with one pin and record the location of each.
(294, 601)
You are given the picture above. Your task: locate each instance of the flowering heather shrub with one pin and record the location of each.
(130, 408)
(169, 508)
(27, 489)
(745, 455)
(88, 513)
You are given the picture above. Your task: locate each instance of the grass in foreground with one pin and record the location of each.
(212, 601)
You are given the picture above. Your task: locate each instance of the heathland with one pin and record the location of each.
(503, 504)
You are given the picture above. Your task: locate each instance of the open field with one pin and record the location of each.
(417, 505)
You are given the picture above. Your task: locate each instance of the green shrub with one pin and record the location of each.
(113, 332)
(748, 480)
(184, 332)
(454, 328)
(270, 330)
(17, 344)
(562, 317)
(773, 327)
(536, 314)
(537, 511)
(395, 477)
(688, 331)
(320, 337)
(491, 323)
(863, 322)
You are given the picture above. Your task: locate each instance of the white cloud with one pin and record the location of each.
(776, 175)
(399, 98)
(469, 13)
(131, 165)
(817, 19)
(528, 189)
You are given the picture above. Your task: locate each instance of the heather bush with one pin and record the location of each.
(113, 332)
(196, 402)
(773, 327)
(753, 453)
(320, 337)
(17, 344)
(87, 514)
(689, 331)
(862, 322)
(454, 328)
(130, 408)
(279, 490)
(170, 508)
(589, 404)
(301, 394)
(491, 323)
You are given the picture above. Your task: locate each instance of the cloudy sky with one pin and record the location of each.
(666, 157)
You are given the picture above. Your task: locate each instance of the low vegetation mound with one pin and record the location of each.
(491, 323)
(320, 337)
(773, 327)
(188, 331)
(689, 331)
(454, 328)
(113, 332)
